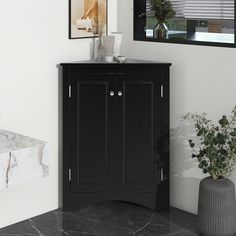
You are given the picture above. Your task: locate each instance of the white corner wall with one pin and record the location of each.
(34, 39)
(202, 79)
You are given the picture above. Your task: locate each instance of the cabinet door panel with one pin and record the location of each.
(92, 133)
(138, 132)
(139, 110)
(91, 106)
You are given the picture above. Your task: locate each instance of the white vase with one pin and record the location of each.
(117, 43)
(108, 42)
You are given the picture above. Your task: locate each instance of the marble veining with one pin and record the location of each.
(22, 159)
(107, 219)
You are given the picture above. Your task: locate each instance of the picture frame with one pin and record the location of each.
(87, 18)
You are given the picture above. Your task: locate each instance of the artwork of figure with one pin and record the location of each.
(87, 18)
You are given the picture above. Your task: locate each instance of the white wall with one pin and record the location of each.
(34, 39)
(202, 79)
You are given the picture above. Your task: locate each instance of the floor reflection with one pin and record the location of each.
(107, 219)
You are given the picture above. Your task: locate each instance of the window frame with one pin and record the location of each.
(139, 22)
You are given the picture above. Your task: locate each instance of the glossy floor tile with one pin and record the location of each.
(107, 219)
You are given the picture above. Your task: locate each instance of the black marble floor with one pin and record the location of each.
(107, 219)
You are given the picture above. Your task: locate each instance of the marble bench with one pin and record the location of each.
(22, 159)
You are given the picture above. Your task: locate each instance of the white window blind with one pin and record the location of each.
(209, 9)
(178, 7)
(200, 9)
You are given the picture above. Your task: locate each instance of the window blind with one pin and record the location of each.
(199, 9)
(209, 9)
(178, 7)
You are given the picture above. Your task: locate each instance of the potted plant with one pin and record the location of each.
(163, 11)
(216, 154)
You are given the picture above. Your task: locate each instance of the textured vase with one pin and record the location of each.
(160, 31)
(216, 207)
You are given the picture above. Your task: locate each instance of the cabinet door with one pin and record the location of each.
(92, 103)
(139, 101)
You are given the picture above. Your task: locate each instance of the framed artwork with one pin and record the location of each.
(87, 18)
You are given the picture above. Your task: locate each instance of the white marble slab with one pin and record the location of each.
(22, 159)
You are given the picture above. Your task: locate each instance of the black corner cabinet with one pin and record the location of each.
(116, 133)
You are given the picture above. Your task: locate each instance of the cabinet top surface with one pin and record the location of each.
(129, 61)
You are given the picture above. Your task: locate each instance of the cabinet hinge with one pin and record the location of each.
(162, 91)
(162, 175)
(69, 175)
(69, 91)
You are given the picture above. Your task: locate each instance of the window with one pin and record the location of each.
(204, 22)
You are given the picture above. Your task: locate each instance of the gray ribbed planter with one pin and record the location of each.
(217, 207)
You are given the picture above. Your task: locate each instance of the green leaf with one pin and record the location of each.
(220, 138)
(200, 165)
(205, 163)
(202, 152)
(223, 121)
(223, 152)
(191, 143)
(200, 132)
